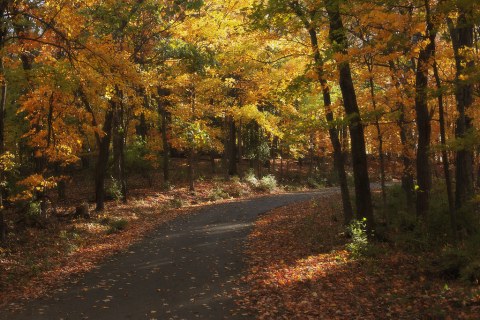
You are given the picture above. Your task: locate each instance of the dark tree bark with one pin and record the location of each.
(381, 156)
(443, 141)
(142, 127)
(462, 38)
(166, 149)
(61, 185)
(232, 146)
(338, 39)
(3, 100)
(311, 154)
(226, 148)
(408, 184)
(423, 119)
(338, 157)
(240, 146)
(406, 139)
(164, 116)
(212, 162)
(102, 161)
(118, 144)
(191, 169)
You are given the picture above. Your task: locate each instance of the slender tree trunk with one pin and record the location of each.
(423, 120)
(462, 40)
(443, 141)
(281, 165)
(240, 147)
(61, 185)
(142, 127)
(226, 149)
(119, 152)
(338, 157)
(102, 161)
(3, 101)
(311, 153)
(212, 162)
(363, 196)
(166, 150)
(380, 139)
(191, 169)
(408, 184)
(273, 154)
(232, 154)
(164, 116)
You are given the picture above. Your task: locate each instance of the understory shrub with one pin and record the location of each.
(117, 225)
(114, 190)
(359, 245)
(237, 188)
(251, 179)
(218, 193)
(177, 202)
(434, 237)
(267, 183)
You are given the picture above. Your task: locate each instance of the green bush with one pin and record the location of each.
(34, 210)
(135, 158)
(267, 183)
(218, 194)
(115, 189)
(251, 179)
(359, 245)
(316, 182)
(117, 225)
(237, 188)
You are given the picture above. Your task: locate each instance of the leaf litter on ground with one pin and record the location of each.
(299, 269)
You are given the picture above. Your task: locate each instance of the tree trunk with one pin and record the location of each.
(311, 153)
(61, 185)
(445, 162)
(281, 166)
(338, 158)
(118, 153)
(408, 184)
(232, 154)
(142, 127)
(162, 111)
(102, 161)
(240, 147)
(380, 139)
(423, 120)
(338, 39)
(191, 169)
(212, 162)
(462, 40)
(3, 101)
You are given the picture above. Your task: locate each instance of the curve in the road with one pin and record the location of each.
(186, 269)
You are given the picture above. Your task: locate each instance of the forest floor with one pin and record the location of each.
(299, 269)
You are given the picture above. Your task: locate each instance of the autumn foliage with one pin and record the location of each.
(350, 92)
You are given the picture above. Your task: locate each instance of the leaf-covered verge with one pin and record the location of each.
(299, 269)
(44, 257)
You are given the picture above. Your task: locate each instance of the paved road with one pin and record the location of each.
(186, 269)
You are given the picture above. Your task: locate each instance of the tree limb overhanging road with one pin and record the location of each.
(186, 269)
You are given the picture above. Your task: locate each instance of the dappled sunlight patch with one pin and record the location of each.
(299, 269)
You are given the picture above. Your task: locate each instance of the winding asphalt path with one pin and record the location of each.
(186, 269)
